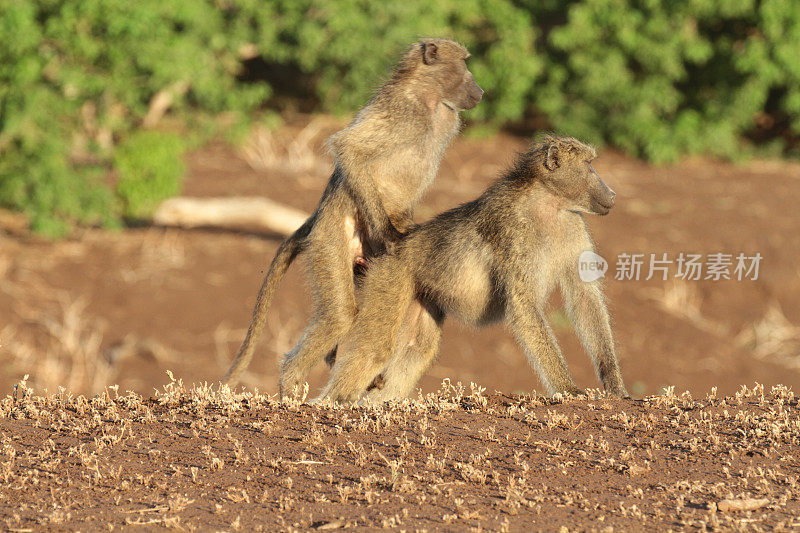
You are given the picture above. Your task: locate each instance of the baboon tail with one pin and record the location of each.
(287, 251)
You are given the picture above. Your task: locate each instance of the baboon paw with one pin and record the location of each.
(617, 390)
(345, 399)
(570, 391)
(289, 390)
(378, 383)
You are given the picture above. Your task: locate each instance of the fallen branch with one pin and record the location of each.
(161, 102)
(243, 213)
(746, 504)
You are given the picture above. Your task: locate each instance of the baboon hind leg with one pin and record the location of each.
(369, 345)
(335, 309)
(416, 348)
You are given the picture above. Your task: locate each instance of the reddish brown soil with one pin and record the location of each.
(124, 307)
(159, 299)
(199, 460)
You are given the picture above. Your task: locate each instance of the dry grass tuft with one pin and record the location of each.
(773, 336)
(682, 300)
(70, 355)
(297, 152)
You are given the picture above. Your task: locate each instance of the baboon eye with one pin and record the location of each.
(591, 168)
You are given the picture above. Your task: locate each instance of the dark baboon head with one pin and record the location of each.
(564, 166)
(439, 67)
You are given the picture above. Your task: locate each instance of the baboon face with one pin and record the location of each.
(570, 175)
(447, 63)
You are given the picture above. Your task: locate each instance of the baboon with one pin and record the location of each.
(495, 258)
(383, 162)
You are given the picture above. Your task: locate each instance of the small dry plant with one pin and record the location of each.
(773, 336)
(280, 149)
(682, 300)
(161, 251)
(282, 336)
(70, 354)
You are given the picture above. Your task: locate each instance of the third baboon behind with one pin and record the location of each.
(384, 160)
(495, 258)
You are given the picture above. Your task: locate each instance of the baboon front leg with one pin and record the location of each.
(416, 348)
(587, 310)
(532, 331)
(370, 343)
(335, 308)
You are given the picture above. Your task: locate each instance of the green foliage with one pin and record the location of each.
(78, 76)
(657, 79)
(661, 79)
(347, 46)
(150, 169)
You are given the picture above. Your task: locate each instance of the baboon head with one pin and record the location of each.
(564, 165)
(439, 65)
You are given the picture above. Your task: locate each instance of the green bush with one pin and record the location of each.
(661, 79)
(150, 169)
(657, 79)
(348, 45)
(77, 77)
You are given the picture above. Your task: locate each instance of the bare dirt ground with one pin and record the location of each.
(453, 460)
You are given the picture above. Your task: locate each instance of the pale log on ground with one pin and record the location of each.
(746, 504)
(243, 213)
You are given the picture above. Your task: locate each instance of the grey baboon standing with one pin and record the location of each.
(495, 258)
(384, 161)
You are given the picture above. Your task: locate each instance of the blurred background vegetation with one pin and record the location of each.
(99, 98)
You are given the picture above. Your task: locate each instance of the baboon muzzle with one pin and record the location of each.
(602, 198)
(475, 95)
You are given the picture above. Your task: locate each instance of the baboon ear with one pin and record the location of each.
(551, 158)
(429, 53)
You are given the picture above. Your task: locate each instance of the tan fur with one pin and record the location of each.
(384, 161)
(496, 258)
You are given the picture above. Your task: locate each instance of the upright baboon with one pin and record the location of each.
(495, 258)
(384, 160)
